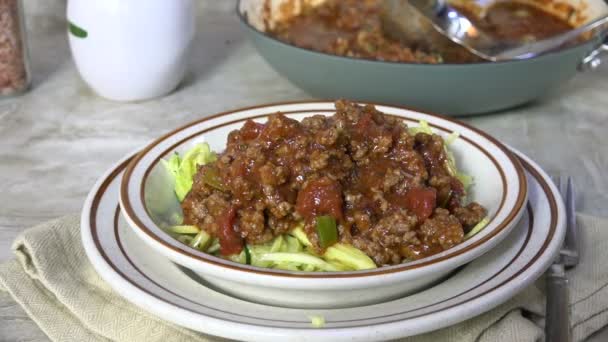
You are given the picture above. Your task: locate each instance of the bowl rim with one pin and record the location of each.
(184, 251)
(242, 18)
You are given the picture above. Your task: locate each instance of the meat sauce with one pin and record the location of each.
(389, 191)
(514, 21)
(353, 28)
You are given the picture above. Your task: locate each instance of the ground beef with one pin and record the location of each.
(470, 215)
(384, 240)
(441, 229)
(389, 191)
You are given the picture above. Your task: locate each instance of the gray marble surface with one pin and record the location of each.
(59, 137)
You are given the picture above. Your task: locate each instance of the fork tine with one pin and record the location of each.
(563, 189)
(555, 180)
(571, 242)
(570, 191)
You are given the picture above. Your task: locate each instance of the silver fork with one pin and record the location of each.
(557, 324)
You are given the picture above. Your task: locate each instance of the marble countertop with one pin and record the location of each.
(59, 137)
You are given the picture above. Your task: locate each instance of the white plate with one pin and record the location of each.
(159, 286)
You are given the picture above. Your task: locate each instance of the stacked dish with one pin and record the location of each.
(133, 250)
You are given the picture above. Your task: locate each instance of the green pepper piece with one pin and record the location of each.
(212, 178)
(327, 231)
(247, 255)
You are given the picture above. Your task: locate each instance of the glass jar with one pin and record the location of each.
(14, 69)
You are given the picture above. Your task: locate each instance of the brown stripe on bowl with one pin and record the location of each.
(200, 256)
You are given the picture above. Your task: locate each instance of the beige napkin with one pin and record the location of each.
(52, 279)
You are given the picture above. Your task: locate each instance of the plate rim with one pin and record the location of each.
(490, 299)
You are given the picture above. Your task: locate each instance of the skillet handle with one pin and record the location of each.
(595, 57)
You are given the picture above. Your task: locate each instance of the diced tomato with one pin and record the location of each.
(251, 130)
(421, 201)
(366, 129)
(364, 123)
(321, 196)
(230, 241)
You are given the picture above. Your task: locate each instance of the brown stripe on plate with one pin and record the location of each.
(540, 179)
(184, 250)
(128, 258)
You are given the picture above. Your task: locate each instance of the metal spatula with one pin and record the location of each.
(415, 20)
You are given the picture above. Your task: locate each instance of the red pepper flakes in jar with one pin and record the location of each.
(14, 76)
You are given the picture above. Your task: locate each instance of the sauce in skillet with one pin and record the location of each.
(353, 28)
(518, 21)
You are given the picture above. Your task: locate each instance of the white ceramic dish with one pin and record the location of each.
(153, 282)
(146, 197)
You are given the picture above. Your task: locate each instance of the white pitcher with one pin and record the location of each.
(130, 50)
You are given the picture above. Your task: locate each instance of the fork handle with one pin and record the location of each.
(557, 324)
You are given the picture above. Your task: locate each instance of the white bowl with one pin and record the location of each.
(147, 196)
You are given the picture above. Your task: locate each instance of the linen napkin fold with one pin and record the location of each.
(52, 279)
